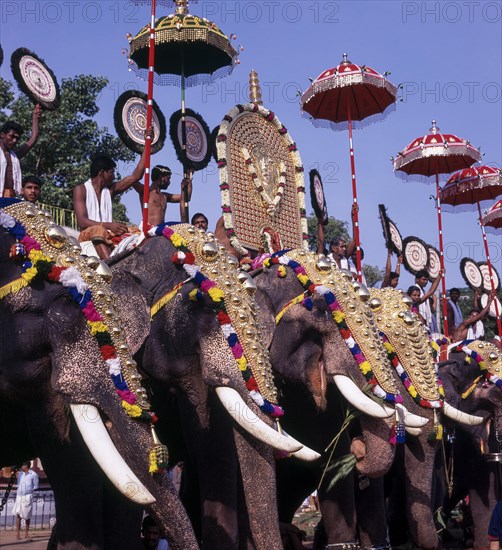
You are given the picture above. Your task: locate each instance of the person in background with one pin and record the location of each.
(472, 328)
(199, 221)
(31, 189)
(27, 483)
(10, 169)
(158, 198)
(418, 297)
(151, 535)
(391, 278)
(424, 308)
(454, 314)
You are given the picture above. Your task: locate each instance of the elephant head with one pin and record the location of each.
(62, 342)
(205, 342)
(471, 376)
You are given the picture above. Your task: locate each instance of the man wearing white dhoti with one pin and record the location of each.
(27, 483)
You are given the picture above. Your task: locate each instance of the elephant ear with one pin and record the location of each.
(132, 307)
(263, 301)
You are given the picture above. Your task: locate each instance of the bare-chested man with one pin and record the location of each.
(462, 332)
(158, 199)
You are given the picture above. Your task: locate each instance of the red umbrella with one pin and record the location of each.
(493, 219)
(467, 190)
(340, 98)
(431, 155)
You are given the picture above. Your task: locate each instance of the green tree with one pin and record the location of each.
(335, 228)
(373, 274)
(69, 138)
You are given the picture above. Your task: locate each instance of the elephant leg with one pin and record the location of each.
(370, 506)
(419, 464)
(483, 498)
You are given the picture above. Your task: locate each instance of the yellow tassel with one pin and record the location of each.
(159, 304)
(13, 287)
(471, 388)
(159, 455)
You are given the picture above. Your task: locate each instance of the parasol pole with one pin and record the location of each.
(354, 195)
(441, 259)
(149, 110)
(186, 173)
(487, 253)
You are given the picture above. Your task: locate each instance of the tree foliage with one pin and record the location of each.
(69, 138)
(335, 228)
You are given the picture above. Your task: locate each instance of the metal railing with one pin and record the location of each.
(43, 514)
(61, 216)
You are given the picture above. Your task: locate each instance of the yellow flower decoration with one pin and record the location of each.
(37, 256)
(178, 240)
(281, 271)
(132, 410)
(216, 294)
(412, 391)
(338, 316)
(303, 279)
(441, 391)
(29, 274)
(242, 363)
(97, 326)
(388, 347)
(153, 468)
(193, 295)
(365, 367)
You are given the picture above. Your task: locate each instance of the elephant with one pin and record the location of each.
(414, 360)
(476, 472)
(51, 364)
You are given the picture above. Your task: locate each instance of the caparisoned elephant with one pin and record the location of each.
(197, 348)
(60, 338)
(472, 376)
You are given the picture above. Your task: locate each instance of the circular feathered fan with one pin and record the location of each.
(129, 117)
(393, 239)
(415, 255)
(198, 139)
(35, 79)
(317, 196)
(214, 135)
(492, 312)
(434, 263)
(471, 273)
(485, 272)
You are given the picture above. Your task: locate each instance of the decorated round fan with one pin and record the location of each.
(434, 263)
(198, 139)
(129, 117)
(317, 196)
(492, 312)
(471, 273)
(35, 79)
(415, 254)
(393, 239)
(485, 272)
(214, 135)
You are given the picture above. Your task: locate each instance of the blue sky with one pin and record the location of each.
(446, 54)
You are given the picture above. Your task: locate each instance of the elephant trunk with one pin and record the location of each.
(379, 453)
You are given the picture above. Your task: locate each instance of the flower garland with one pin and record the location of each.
(272, 204)
(338, 316)
(186, 259)
(221, 149)
(37, 266)
(472, 354)
(396, 363)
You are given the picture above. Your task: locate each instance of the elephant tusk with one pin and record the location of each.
(462, 417)
(411, 420)
(359, 400)
(100, 445)
(413, 431)
(305, 453)
(249, 421)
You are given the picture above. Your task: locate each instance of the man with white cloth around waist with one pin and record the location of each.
(27, 482)
(92, 202)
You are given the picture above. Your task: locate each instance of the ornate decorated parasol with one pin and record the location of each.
(427, 157)
(493, 219)
(468, 190)
(342, 98)
(190, 50)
